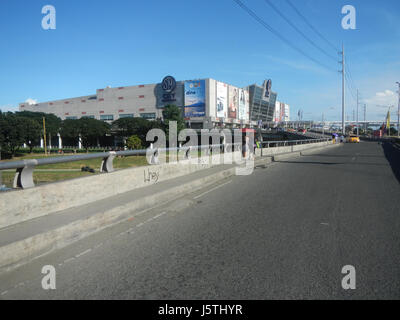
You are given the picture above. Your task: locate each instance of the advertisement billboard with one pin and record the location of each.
(267, 89)
(233, 102)
(222, 100)
(195, 98)
(242, 104)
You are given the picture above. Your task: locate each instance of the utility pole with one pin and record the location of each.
(398, 113)
(343, 92)
(365, 119)
(44, 135)
(357, 114)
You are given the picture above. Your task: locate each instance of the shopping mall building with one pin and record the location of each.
(205, 103)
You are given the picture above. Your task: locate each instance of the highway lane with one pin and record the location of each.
(284, 232)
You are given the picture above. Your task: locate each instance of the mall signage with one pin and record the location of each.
(168, 86)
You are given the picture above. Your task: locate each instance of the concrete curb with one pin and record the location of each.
(314, 150)
(263, 161)
(285, 156)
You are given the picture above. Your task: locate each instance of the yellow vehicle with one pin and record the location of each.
(353, 139)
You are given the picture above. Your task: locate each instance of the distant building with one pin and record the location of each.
(262, 103)
(205, 103)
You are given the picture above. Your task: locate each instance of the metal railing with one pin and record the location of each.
(24, 168)
(272, 144)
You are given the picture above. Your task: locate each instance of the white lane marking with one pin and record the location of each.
(4, 292)
(159, 215)
(325, 224)
(144, 222)
(68, 260)
(204, 193)
(82, 253)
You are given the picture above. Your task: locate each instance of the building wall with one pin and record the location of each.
(261, 108)
(140, 100)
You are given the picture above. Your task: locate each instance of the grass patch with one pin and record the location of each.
(44, 177)
(119, 162)
(40, 177)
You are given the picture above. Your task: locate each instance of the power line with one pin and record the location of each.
(350, 76)
(350, 87)
(311, 26)
(298, 30)
(351, 80)
(277, 34)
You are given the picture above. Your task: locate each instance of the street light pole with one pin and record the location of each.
(357, 115)
(343, 93)
(365, 119)
(398, 113)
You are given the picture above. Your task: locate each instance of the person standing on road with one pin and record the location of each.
(244, 148)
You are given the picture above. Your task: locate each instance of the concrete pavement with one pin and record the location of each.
(284, 232)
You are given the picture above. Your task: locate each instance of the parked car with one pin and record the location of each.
(303, 131)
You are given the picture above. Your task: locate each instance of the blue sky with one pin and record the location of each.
(99, 43)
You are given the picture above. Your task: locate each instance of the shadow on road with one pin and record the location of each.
(342, 155)
(392, 154)
(310, 162)
(335, 163)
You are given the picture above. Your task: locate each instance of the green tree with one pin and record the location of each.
(2, 138)
(53, 123)
(134, 143)
(12, 132)
(1, 132)
(87, 130)
(32, 131)
(126, 127)
(173, 113)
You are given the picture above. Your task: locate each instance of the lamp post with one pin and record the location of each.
(398, 112)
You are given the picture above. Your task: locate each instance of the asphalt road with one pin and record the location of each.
(284, 232)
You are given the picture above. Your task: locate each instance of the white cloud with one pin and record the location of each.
(31, 101)
(8, 107)
(379, 104)
(382, 99)
(386, 93)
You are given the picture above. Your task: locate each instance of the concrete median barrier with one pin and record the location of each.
(285, 156)
(316, 150)
(19, 252)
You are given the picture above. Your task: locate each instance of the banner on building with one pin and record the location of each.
(267, 89)
(233, 102)
(222, 97)
(242, 105)
(195, 99)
